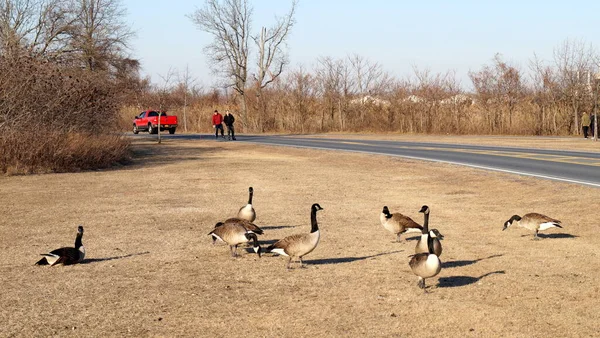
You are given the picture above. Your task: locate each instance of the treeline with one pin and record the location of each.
(354, 94)
(64, 76)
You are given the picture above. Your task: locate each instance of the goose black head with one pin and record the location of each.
(316, 207)
(218, 224)
(258, 250)
(251, 190)
(80, 229)
(510, 221)
(386, 211)
(434, 233)
(252, 236)
(424, 209)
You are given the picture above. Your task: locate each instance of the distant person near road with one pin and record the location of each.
(217, 121)
(592, 121)
(585, 122)
(229, 119)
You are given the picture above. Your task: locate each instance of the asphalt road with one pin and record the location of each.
(567, 166)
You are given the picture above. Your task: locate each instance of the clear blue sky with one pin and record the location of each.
(439, 35)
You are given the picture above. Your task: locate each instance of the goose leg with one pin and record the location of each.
(421, 283)
(233, 249)
(288, 266)
(301, 263)
(535, 236)
(398, 237)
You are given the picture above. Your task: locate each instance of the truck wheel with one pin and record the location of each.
(135, 129)
(172, 130)
(150, 129)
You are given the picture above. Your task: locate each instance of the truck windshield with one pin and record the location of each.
(154, 113)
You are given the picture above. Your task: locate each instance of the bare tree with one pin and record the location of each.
(34, 27)
(228, 21)
(498, 86)
(574, 61)
(100, 37)
(271, 54)
(186, 84)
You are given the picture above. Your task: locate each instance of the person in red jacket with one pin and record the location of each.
(217, 121)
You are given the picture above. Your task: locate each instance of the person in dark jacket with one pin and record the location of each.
(592, 124)
(217, 121)
(229, 119)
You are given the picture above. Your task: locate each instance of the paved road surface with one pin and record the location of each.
(568, 166)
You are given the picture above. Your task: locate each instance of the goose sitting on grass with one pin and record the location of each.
(66, 255)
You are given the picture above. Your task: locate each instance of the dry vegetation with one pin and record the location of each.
(63, 78)
(151, 269)
(355, 94)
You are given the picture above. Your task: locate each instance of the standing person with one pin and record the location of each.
(592, 122)
(585, 122)
(229, 119)
(217, 121)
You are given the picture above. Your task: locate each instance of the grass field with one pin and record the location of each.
(151, 270)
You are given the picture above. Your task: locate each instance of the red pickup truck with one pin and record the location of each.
(148, 121)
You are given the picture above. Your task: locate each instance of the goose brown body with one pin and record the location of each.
(234, 234)
(534, 222)
(249, 226)
(247, 212)
(426, 264)
(299, 245)
(398, 223)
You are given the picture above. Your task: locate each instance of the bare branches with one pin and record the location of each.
(272, 58)
(229, 24)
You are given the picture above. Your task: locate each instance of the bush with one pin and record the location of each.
(44, 151)
(55, 118)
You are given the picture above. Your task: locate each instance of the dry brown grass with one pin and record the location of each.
(43, 151)
(151, 270)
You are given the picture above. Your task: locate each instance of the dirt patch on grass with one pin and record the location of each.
(151, 269)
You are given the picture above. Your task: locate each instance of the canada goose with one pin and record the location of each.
(300, 244)
(247, 212)
(398, 224)
(426, 264)
(534, 222)
(234, 234)
(66, 255)
(422, 243)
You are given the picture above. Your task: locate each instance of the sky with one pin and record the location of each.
(437, 35)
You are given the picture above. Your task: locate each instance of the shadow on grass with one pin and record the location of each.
(341, 260)
(456, 281)
(558, 235)
(276, 227)
(455, 264)
(147, 152)
(95, 260)
(412, 238)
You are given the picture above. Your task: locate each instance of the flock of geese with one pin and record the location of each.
(425, 263)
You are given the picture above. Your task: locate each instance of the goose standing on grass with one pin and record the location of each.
(66, 255)
(422, 243)
(247, 212)
(426, 264)
(301, 244)
(534, 222)
(398, 224)
(235, 234)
